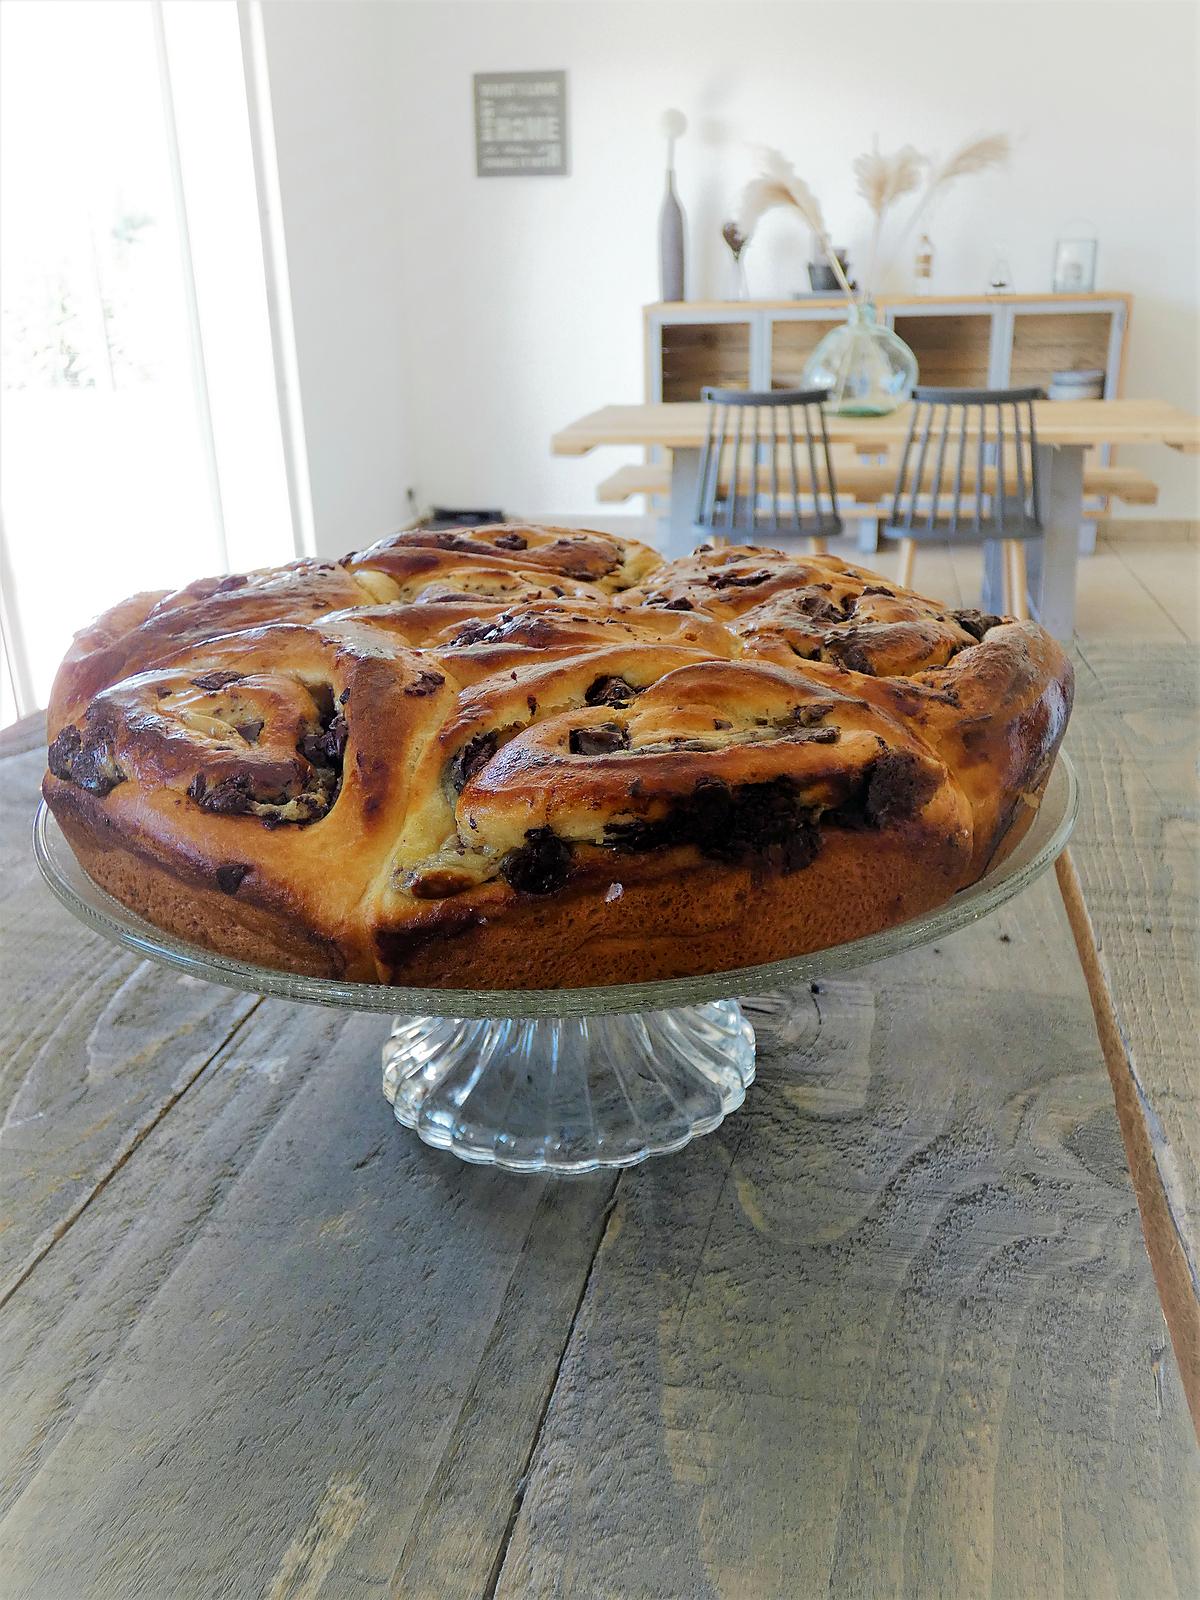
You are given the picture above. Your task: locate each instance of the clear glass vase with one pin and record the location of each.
(867, 368)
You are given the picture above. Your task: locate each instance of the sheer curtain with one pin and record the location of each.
(139, 411)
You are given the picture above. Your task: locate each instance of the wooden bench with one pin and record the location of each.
(869, 485)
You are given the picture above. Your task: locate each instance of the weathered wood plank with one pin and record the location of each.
(26, 734)
(891, 1330)
(287, 1351)
(95, 1045)
(1136, 736)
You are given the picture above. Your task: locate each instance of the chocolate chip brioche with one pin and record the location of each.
(533, 757)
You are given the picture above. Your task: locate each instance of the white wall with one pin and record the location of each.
(335, 72)
(514, 304)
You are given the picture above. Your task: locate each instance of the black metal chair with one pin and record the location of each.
(764, 457)
(970, 475)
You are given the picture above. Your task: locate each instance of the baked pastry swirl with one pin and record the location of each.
(534, 757)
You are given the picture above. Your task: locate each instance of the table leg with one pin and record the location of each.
(868, 535)
(679, 537)
(1061, 470)
(1053, 564)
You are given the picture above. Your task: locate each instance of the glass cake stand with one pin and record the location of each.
(571, 1080)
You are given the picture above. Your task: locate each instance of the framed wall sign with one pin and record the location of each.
(520, 124)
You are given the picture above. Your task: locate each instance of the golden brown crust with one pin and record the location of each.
(520, 757)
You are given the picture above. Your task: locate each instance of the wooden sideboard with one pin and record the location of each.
(973, 341)
(964, 341)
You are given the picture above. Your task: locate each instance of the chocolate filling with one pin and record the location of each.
(804, 716)
(582, 558)
(472, 758)
(211, 682)
(509, 626)
(510, 541)
(430, 539)
(755, 821)
(425, 683)
(601, 740)
(894, 788)
(250, 729)
(898, 787)
(89, 763)
(280, 791)
(327, 746)
(610, 691)
(230, 875)
(817, 607)
(540, 866)
(847, 650)
(732, 580)
(231, 796)
(976, 623)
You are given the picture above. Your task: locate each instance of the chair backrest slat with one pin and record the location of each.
(1004, 489)
(710, 457)
(1019, 446)
(935, 489)
(773, 446)
(898, 492)
(830, 480)
(791, 427)
(956, 503)
(755, 416)
(919, 470)
(814, 477)
(1034, 469)
(731, 508)
(722, 504)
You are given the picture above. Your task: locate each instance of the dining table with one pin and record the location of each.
(1066, 431)
(891, 1329)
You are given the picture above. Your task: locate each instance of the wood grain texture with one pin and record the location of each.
(891, 1331)
(95, 1044)
(1136, 737)
(682, 425)
(871, 483)
(288, 1351)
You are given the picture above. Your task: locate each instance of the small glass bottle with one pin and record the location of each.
(923, 265)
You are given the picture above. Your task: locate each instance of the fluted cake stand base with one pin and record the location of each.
(569, 1094)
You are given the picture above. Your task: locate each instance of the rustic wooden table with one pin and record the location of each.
(891, 1330)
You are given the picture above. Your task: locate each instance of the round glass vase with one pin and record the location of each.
(867, 367)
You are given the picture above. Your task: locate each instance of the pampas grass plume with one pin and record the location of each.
(882, 180)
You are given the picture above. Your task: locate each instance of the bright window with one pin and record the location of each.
(138, 405)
